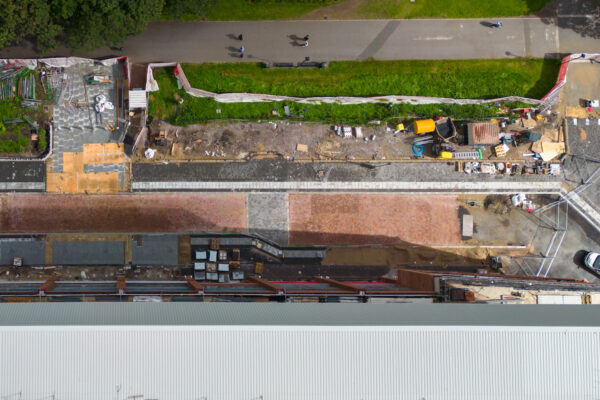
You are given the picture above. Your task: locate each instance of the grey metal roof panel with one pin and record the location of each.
(35, 314)
(299, 362)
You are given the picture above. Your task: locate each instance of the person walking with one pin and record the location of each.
(242, 51)
(305, 38)
(240, 37)
(497, 25)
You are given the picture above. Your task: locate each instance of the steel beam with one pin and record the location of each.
(194, 285)
(267, 285)
(47, 286)
(121, 285)
(340, 285)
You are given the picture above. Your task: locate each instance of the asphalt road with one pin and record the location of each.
(277, 41)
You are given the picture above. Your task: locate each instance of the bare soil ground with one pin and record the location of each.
(243, 140)
(239, 141)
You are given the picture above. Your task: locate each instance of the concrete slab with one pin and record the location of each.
(88, 253)
(268, 215)
(155, 250)
(374, 219)
(583, 82)
(30, 250)
(279, 170)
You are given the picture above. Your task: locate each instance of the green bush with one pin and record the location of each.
(17, 142)
(196, 110)
(42, 140)
(9, 109)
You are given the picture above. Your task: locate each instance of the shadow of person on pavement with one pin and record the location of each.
(296, 41)
(487, 24)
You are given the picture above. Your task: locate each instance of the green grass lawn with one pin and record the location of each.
(449, 8)
(479, 79)
(239, 10)
(163, 106)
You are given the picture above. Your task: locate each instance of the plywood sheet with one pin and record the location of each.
(73, 162)
(114, 148)
(61, 183)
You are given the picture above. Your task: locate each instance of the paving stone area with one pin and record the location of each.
(95, 168)
(76, 127)
(584, 159)
(351, 218)
(268, 215)
(181, 212)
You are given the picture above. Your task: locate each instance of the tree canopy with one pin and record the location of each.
(84, 23)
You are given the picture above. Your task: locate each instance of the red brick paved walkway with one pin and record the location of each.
(373, 219)
(181, 212)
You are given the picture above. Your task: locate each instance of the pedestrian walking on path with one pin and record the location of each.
(305, 38)
(240, 37)
(305, 44)
(242, 51)
(497, 25)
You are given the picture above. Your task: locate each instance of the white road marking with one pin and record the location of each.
(433, 38)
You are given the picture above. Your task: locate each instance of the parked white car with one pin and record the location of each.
(592, 260)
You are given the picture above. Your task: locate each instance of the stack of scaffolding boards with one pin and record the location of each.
(16, 81)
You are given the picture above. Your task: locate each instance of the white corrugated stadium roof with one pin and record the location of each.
(286, 351)
(137, 99)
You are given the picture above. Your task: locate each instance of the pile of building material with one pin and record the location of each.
(216, 265)
(16, 81)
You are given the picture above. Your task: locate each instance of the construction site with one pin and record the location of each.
(125, 207)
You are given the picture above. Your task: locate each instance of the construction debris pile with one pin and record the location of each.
(217, 265)
(524, 145)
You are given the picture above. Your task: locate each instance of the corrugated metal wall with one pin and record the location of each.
(303, 362)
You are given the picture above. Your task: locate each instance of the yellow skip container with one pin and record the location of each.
(423, 126)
